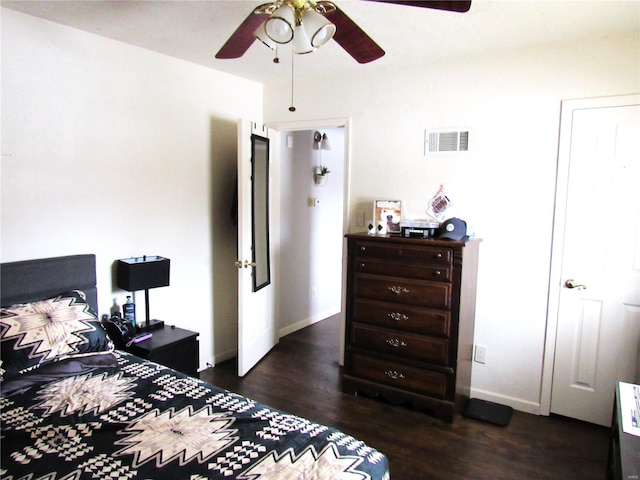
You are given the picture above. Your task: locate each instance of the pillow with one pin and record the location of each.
(37, 333)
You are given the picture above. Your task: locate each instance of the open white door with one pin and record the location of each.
(597, 257)
(257, 203)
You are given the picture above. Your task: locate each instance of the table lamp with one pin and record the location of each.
(143, 273)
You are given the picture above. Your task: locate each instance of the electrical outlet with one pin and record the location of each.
(480, 355)
(313, 292)
(360, 219)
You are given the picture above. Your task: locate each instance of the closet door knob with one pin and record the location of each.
(571, 283)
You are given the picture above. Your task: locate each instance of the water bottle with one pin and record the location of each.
(129, 309)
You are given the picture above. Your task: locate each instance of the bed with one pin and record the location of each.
(75, 407)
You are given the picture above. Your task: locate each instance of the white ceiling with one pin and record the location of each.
(195, 30)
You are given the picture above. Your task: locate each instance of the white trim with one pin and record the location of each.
(306, 322)
(221, 357)
(513, 402)
(557, 241)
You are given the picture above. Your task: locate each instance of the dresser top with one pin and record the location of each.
(414, 241)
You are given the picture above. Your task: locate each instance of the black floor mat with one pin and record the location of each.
(488, 412)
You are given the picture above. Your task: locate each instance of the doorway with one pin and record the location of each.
(593, 327)
(314, 218)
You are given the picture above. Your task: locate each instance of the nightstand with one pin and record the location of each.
(173, 347)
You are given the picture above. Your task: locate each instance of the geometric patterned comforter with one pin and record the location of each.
(121, 417)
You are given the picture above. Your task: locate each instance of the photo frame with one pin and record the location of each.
(387, 215)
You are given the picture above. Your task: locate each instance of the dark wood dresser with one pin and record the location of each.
(410, 311)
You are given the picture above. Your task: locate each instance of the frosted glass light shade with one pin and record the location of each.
(261, 35)
(301, 43)
(324, 144)
(319, 29)
(279, 27)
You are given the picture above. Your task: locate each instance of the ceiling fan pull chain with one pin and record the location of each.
(292, 108)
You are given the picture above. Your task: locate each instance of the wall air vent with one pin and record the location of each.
(446, 141)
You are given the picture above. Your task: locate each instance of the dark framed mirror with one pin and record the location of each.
(260, 211)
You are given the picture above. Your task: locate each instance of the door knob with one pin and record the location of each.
(571, 283)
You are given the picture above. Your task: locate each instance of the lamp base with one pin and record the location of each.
(153, 325)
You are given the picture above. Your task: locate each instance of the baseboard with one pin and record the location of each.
(306, 322)
(229, 354)
(513, 402)
(222, 357)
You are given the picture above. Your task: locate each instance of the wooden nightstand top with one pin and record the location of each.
(163, 338)
(173, 347)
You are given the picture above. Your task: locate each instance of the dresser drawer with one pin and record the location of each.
(435, 256)
(398, 375)
(408, 345)
(404, 290)
(402, 317)
(440, 273)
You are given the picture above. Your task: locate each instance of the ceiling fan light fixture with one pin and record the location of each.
(261, 35)
(319, 29)
(301, 43)
(279, 26)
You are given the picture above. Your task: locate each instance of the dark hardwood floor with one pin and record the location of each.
(301, 376)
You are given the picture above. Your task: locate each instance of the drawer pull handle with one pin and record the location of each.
(362, 265)
(394, 342)
(398, 289)
(362, 249)
(437, 273)
(397, 316)
(438, 255)
(393, 374)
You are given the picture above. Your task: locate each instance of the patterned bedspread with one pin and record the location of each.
(122, 417)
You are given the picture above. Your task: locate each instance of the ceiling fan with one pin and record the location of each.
(309, 24)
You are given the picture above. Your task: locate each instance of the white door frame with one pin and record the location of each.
(557, 243)
(318, 124)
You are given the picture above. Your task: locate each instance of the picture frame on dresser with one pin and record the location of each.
(388, 213)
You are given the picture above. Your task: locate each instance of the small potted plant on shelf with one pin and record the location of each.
(320, 175)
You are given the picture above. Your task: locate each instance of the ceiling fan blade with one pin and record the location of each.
(460, 6)
(351, 37)
(240, 41)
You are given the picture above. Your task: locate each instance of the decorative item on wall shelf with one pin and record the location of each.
(321, 175)
(387, 215)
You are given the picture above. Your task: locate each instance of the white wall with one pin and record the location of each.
(504, 187)
(118, 151)
(311, 237)
(111, 149)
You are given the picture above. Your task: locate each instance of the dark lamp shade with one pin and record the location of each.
(142, 273)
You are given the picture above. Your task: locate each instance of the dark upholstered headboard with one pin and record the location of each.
(30, 280)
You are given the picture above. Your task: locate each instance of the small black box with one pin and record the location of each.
(488, 412)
